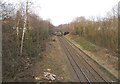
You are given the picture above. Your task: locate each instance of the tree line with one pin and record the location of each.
(100, 31)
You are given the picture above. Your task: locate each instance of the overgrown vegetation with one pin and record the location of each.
(36, 34)
(102, 32)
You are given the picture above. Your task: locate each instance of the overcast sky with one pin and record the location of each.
(64, 11)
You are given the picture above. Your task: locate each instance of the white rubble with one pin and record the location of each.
(48, 69)
(49, 76)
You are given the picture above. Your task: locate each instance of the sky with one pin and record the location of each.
(64, 11)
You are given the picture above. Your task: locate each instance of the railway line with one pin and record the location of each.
(83, 68)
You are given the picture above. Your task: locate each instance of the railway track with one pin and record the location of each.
(82, 66)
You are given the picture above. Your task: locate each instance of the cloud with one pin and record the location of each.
(63, 11)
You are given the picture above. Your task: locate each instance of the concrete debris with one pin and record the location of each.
(48, 69)
(37, 78)
(62, 78)
(49, 76)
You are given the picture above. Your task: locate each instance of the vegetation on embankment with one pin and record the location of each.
(86, 45)
(101, 31)
(36, 34)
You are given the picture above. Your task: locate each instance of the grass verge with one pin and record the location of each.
(86, 45)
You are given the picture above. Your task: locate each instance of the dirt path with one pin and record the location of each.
(52, 61)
